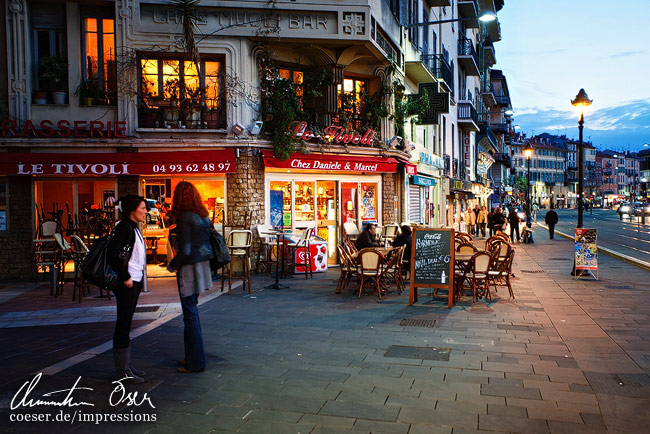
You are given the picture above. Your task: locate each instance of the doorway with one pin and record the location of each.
(326, 203)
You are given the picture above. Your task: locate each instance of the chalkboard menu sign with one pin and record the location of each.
(432, 261)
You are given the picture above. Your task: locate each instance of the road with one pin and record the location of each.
(628, 237)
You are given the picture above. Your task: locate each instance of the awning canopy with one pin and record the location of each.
(123, 163)
(333, 163)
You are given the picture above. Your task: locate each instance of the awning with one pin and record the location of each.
(332, 163)
(123, 163)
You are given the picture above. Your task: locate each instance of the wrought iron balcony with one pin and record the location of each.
(467, 116)
(489, 54)
(447, 170)
(467, 57)
(440, 69)
(502, 99)
(469, 9)
(503, 158)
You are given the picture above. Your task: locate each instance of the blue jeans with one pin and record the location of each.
(194, 351)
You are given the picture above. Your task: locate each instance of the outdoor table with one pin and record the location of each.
(152, 243)
(279, 259)
(382, 250)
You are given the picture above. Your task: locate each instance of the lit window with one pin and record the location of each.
(99, 55)
(351, 94)
(197, 94)
(296, 76)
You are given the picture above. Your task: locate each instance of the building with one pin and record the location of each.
(290, 114)
(501, 125)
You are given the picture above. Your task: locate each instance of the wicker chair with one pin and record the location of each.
(370, 261)
(239, 244)
(476, 274)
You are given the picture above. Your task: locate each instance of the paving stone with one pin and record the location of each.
(592, 419)
(507, 367)
(331, 421)
(580, 388)
(417, 428)
(274, 415)
(438, 417)
(558, 427)
(512, 424)
(267, 427)
(510, 391)
(362, 411)
(287, 403)
(554, 414)
(507, 410)
(577, 397)
(374, 426)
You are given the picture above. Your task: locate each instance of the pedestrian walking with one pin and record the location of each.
(192, 266)
(490, 222)
(551, 220)
(470, 221)
(481, 220)
(499, 220)
(514, 220)
(126, 254)
(535, 209)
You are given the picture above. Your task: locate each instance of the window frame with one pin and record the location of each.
(99, 15)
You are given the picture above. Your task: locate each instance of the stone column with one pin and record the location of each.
(389, 191)
(128, 184)
(18, 59)
(16, 246)
(245, 193)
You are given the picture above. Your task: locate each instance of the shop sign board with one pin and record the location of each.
(586, 249)
(114, 164)
(432, 261)
(81, 129)
(334, 163)
(332, 133)
(411, 169)
(467, 146)
(425, 181)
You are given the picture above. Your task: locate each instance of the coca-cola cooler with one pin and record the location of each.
(319, 254)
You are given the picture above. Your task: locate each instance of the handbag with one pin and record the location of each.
(220, 253)
(96, 269)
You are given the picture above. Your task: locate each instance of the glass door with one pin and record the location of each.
(349, 204)
(327, 218)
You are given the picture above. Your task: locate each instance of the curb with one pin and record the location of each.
(609, 252)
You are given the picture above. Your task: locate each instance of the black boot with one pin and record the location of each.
(136, 371)
(122, 362)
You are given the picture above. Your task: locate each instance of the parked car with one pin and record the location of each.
(624, 209)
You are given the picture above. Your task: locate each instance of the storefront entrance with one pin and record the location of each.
(324, 204)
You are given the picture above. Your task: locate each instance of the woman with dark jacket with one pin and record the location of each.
(404, 239)
(126, 254)
(192, 265)
(490, 221)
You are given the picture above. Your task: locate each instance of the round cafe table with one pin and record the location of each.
(279, 259)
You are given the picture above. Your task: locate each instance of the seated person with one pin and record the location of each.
(404, 239)
(367, 237)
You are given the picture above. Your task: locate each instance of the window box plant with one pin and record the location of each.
(55, 69)
(89, 93)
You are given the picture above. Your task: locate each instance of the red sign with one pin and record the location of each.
(64, 128)
(411, 169)
(333, 133)
(466, 149)
(335, 163)
(125, 163)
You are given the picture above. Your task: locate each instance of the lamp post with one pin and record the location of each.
(528, 152)
(644, 181)
(581, 101)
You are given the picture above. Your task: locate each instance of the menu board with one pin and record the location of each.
(432, 261)
(586, 249)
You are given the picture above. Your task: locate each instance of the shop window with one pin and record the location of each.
(174, 93)
(350, 99)
(99, 66)
(295, 76)
(280, 203)
(304, 201)
(369, 202)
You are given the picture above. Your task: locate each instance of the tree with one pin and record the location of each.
(521, 185)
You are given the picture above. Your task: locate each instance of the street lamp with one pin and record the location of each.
(581, 101)
(644, 181)
(528, 152)
(484, 17)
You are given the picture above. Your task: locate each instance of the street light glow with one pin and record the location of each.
(487, 17)
(528, 151)
(511, 112)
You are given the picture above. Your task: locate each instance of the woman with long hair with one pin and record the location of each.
(192, 265)
(126, 254)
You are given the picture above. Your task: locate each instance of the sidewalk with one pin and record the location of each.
(565, 356)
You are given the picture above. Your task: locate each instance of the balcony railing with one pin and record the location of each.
(502, 158)
(466, 111)
(447, 170)
(502, 99)
(466, 51)
(438, 66)
(186, 114)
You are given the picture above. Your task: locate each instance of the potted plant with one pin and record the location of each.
(40, 97)
(55, 69)
(89, 92)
